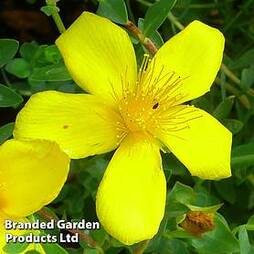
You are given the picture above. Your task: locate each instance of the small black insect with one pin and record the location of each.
(156, 105)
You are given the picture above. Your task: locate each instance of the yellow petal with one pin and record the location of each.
(199, 141)
(79, 123)
(131, 197)
(195, 54)
(99, 55)
(3, 230)
(31, 175)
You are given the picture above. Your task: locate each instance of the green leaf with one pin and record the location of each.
(32, 252)
(204, 197)
(49, 10)
(179, 233)
(6, 132)
(202, 102)
(14, 248)
(156, 14)
(250, 223)
(155, 36)
(8, 97)
(113, 9)
(220, 240)
(245, 60)
(19, 67)
(28, 50)
(224, 108)
(243, 155)
(54, 72)
(99, 236)
(226, 189)
(164, 245)
(182, 193)
(233, 125)
(41, 56)
(207, 209)
(53, 248)
(245, 246)
(175, 209)
(247, 78)
(91, 251)
(52, 54)
(8, 49)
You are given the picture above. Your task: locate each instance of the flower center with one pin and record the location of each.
(138, 111)
(151, 102)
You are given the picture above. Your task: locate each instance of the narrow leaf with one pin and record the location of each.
(243, 155)
(233, 125)
(244, 241)
(224, 108)
(113, 9)
(155, 36)
(250, 223)
(156, 14)
(247, 78)
(245, 60)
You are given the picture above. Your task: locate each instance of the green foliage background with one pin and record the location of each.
(31, 67)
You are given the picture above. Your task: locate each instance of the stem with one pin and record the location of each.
(243, 159)
(83, 236)
(230, 74)
(175, 21)
(56, 17)
(135, 30)
(149, 45)
(234, 78)
(141, 247)
(241, 97)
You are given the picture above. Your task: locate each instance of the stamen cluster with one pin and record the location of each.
(152, 103)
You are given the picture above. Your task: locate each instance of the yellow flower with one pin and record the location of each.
(134, 112)
(32, 174)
